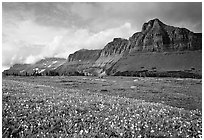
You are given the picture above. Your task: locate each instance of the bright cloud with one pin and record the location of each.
(31, 42)
(73, 40)
(32, 31)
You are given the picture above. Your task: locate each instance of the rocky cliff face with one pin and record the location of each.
(95, 61)
(112, 52)
(159, 37)
(155, 36)
(116, 47)
(78, 62)
(84, 55)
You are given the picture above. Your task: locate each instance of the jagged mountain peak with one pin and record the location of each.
(154, 37)
(157, 36)
(156, 20)
(154, 23)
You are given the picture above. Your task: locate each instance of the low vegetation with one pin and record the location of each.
(146, 73)
(33, 109)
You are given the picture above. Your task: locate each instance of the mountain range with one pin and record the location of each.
(157, 50)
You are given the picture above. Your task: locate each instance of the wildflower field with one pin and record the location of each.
(87, 107)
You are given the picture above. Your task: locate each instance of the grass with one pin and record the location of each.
(33, 109)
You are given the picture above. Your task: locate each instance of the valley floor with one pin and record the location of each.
(110, 107)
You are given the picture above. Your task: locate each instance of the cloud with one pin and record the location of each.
(32, 59)
(16, 52)
(29, 31)
(34, 30)
(29, 47)
(85, 10)
(73, 40)
(100, 15)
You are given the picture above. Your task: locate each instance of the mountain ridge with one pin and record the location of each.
(154, 37)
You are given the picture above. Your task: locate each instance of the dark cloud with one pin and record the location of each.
(187, 14)
(98, 16)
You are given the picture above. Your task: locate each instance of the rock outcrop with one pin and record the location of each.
(155, 36)
(159, 37)
(130, 54)
(79, 62)
(112, 52)
(116, 47)
(84, 55)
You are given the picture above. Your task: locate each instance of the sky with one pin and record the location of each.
(34, 30)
